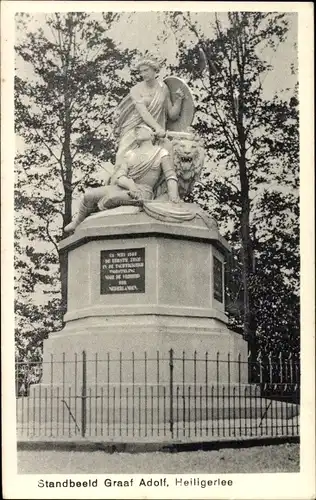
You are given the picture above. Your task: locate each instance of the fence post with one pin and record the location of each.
(171, 389)
(84, 394)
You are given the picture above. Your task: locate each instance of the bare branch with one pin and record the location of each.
(227, 181)
(226, 132)
(46, 145)
(51, 239)
(247, 129)
(226, 129)
(51, 29)
(191, 26)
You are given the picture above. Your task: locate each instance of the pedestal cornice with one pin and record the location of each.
(101, 226)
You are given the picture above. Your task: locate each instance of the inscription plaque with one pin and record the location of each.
(122, 271)
(218, 279)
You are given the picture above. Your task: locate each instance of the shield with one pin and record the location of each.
(187, 110)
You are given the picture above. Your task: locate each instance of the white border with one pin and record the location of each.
(252, 486)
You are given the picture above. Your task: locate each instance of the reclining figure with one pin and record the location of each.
(134, 180)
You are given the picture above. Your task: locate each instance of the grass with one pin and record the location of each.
(274, 458)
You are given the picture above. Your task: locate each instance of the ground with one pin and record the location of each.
(275, 458)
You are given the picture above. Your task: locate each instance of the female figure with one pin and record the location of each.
(148, 102)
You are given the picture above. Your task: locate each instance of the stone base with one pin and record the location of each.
(169, 294)
(117, 411)
(112, 343)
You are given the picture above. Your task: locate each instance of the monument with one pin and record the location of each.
(145, 269)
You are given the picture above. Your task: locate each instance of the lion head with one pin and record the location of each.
(188, 160)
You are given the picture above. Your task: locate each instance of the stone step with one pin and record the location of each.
(152, 409)
(209, 430)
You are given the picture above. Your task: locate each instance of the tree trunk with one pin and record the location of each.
(247, 253)
(67, 216)
(246, 243)
(63, 258)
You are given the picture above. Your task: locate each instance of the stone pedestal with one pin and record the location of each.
(146, 342)
(136, 284)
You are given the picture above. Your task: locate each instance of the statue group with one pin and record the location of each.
(158, 159)
(147, 272)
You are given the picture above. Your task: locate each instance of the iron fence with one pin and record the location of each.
(172, 397)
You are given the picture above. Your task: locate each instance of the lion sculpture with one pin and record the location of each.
(188, 159)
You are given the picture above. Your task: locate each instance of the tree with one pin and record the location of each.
(249, 139)
(276, 219)
(63, 110)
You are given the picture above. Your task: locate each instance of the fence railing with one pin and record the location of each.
(169, 397)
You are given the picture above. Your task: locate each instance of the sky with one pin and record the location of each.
(145, 27)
